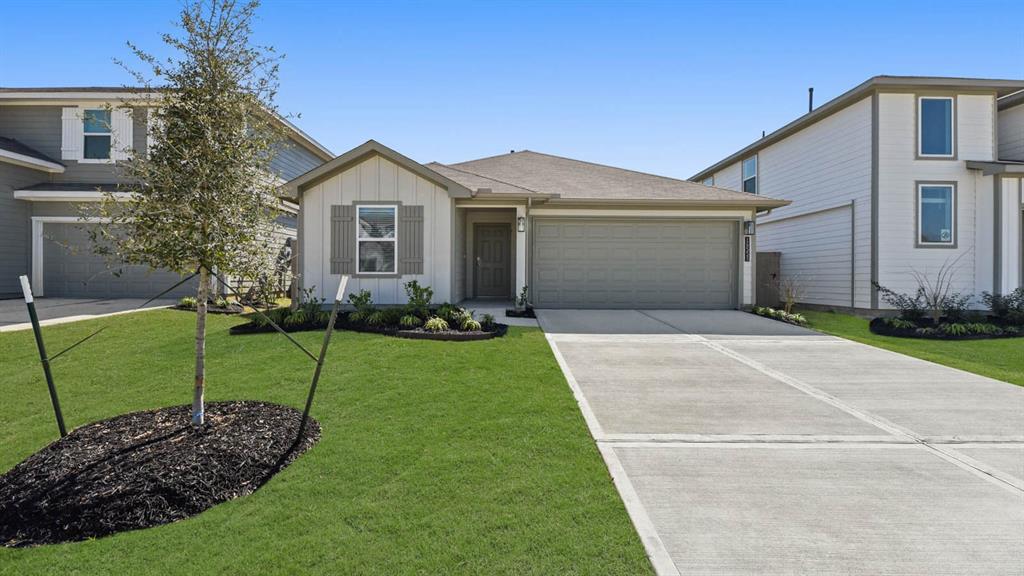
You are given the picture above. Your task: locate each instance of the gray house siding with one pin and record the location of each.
(292, 160)
(39, 127)
(15, 227)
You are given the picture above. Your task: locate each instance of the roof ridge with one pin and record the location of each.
(489, 177)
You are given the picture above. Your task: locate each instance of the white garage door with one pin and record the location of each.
(615, 263)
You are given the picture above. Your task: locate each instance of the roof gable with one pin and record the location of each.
(356, 155)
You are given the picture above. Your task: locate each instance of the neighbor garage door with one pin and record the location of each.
(71, 270)
(598, 263)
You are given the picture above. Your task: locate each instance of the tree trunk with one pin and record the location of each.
(198, 409)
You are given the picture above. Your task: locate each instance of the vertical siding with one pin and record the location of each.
(899, 169)
(1011, 133)
(377, 179)
(1010, 256)
(15, 226)
(459, 241)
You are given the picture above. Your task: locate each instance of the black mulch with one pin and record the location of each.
(146, 469)
(882, 328)
(524, 313)
(342, 323)
(211, 309)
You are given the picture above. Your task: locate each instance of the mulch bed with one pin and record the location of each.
(525, 313)
(230, 309)
(882, 328)
(146, 469)
(415, 334)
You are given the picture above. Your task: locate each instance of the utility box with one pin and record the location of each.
(768, 267)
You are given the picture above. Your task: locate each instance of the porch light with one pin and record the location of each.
(748, 227)
(521, 223)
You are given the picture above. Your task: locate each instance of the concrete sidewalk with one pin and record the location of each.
(742, 445)
(14, 314)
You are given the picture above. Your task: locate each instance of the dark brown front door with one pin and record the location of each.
(492, 248)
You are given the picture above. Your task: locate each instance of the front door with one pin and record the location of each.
(492, 249)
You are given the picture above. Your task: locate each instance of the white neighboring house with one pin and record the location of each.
(897, 175)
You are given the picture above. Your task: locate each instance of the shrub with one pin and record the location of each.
(781, 315)
(983, 328)
(323, 317)
(278, 315)
(955, 307)
(410, 321)
(524, 298)
(362, 302)
(470, 325)
(419, 298)
(296, 318)
(436, 324)
(911, 308)
(310, 303)
(925, 331)
(953, 329)
(900, 323)
(1007, 308)
(378, 318)
(187, 302)
(487, 321)
(357, 317)
(452, 314)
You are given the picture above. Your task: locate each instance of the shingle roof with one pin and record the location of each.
(12, 145)
(570, 179)
(69, 187)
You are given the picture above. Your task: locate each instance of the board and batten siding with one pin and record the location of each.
(821, 169)
(898, 172)
(376, 179)
(1011, 133)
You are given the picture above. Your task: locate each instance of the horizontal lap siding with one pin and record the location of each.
(15, 227)
(898, 171)
(816, 253)
(821, 169)
(1011, 133)
(377, 179)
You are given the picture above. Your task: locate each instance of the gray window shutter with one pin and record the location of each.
(410, 239)
(343, 239)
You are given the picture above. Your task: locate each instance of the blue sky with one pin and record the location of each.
(655, 86)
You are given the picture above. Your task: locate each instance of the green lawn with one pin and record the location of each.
(1002, 359)
(436, 457)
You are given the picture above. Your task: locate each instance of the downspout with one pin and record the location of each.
(526, 238)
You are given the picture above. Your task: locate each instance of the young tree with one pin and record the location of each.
(203, 197)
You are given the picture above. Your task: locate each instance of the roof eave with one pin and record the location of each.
(989, 168)
(32, 162)
(746, 204)
(856, 94)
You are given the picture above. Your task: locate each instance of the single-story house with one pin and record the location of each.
(578, 234)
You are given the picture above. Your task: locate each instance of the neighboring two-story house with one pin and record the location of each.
(58, 149)
(899, 175)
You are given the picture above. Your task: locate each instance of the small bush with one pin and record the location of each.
(487, 321)
(452, 314)
(781, 315)
(470, 325)
(296, 318)
(221, 302)
(925, 331)
(278, 315)
(955, 307)
(357, 317)
(187, 302)
(953, 329)
(323, 317)
(911, 308)
(1007, 308)
(410, 321)
(900, 323)
(983, 328)
(436, 324)
(378, 318)
(419, 299)
(362, 302)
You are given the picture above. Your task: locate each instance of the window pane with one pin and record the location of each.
(97, 121)
(937, 214)
(709, 181)
(376, 256)
(750, 167)
(937, 126)
(750, 185)
(376, 222)
(97, 147)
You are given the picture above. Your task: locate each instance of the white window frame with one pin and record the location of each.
(952, 220)
(709, 181)
(757, 170)
(360, 239)
(952, 127)
(110, 132)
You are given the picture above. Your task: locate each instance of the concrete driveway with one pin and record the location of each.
(14, 314)
(742, 445)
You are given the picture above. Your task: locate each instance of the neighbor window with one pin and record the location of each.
(936, 214)
(750, 175)
(377, 239)
(935, 127)
(96, 128)
(709, 181)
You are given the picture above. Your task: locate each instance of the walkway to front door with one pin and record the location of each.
(493, 247)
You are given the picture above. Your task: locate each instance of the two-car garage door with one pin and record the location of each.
(618, 263)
